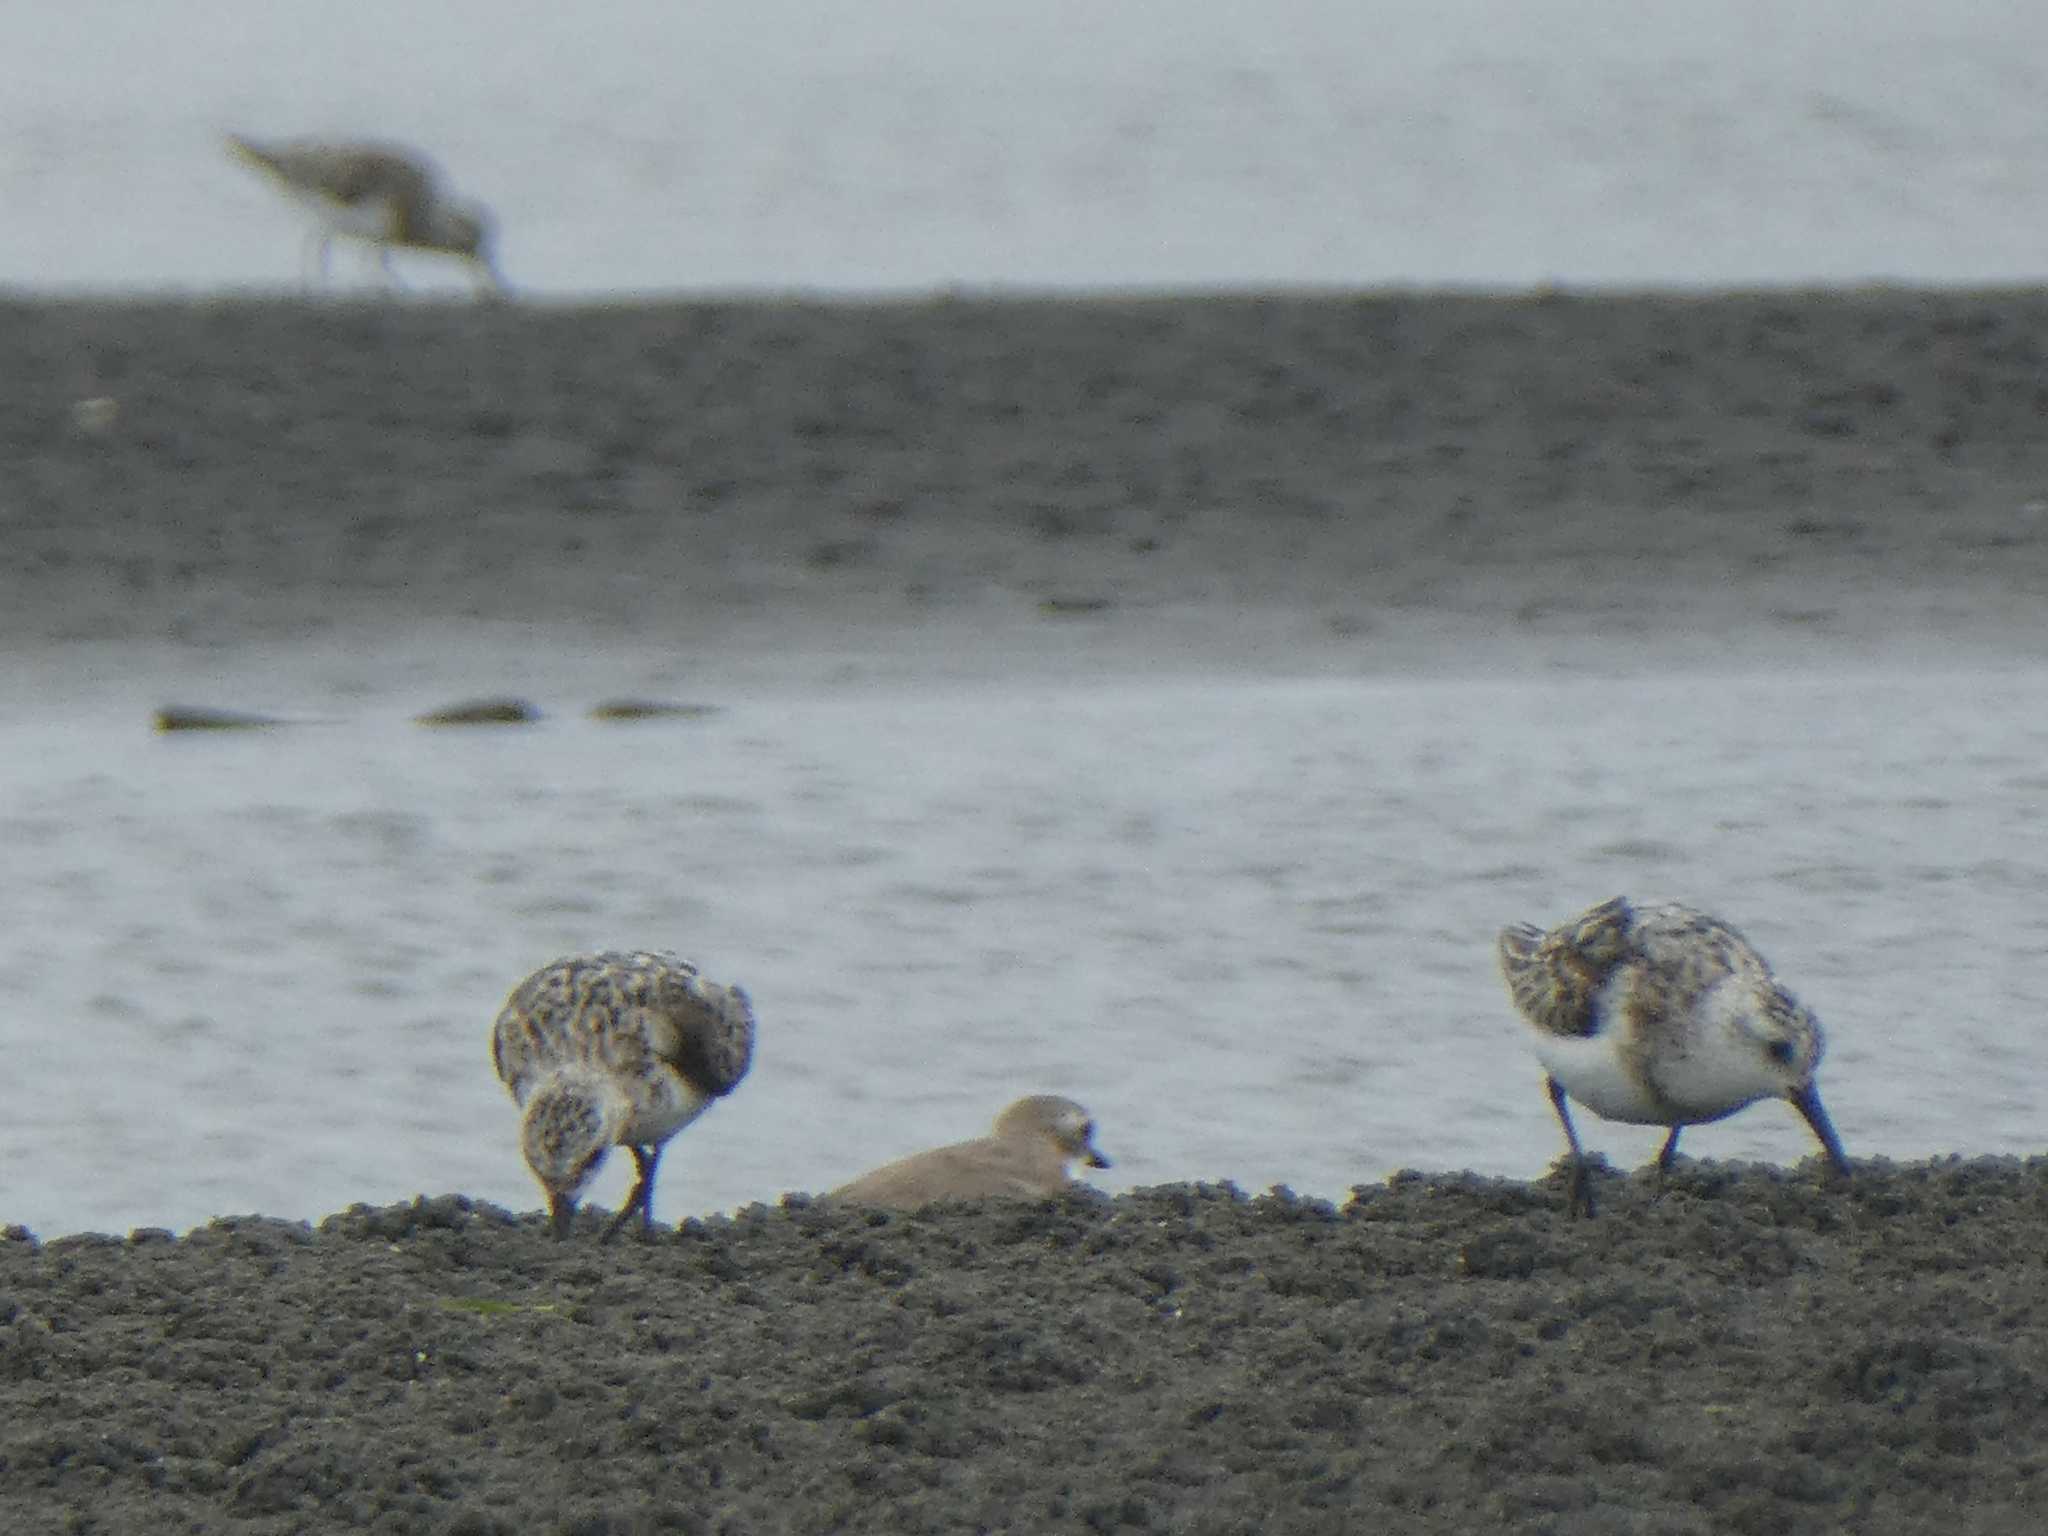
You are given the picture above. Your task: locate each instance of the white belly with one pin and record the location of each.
(370, 219)
(1595, 1074)
(662, 1109)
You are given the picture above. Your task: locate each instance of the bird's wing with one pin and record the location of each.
(704, 1030)
(1555, 976)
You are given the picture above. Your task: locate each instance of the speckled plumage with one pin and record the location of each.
(1660, 1015)
(1026, 1156)
(615, 1049)
(379, 193)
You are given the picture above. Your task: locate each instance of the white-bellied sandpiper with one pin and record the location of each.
(1660, 1015)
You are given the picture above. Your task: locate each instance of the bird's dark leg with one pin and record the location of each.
(642, 1196)
(1669, 1155)
(1581, 1203)
(647, 1166)
(561, 1215)
(489, 282)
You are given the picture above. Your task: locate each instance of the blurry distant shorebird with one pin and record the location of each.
(383, 195)
(1660, 1015)
(615, 1049)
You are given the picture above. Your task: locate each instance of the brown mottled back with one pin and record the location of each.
(622, 1009)
(1554, 976)
(1685, 953)
(350, 174)
(1680, 953)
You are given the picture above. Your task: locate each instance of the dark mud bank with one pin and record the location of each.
(1750, 1352)
(214, 472)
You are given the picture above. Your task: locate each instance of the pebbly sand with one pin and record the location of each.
(1360, 483)
(1750, 1353)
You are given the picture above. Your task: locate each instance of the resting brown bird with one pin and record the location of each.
(1026, 1156)
(389, 197)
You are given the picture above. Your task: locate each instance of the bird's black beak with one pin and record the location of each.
(1096, 1159)
(1807, 1101)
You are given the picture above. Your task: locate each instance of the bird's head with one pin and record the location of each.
(1789, 1043)
(467, 229)
(1061, 1121)
(1786, 1037)
(572, 1120)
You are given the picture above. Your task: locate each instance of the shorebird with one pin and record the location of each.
(615, 1049)
(1660, 1015)
(1026, 1157)
(379, 193)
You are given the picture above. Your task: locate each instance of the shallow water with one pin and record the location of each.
(1247, 920)
(993, 142)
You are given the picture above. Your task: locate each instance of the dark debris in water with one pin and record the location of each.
(1067, 605)
(196, 717)
(618, 710)
(506, 711)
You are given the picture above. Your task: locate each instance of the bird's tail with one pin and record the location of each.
(1517, 947)
(249, 152)
(1553, 976)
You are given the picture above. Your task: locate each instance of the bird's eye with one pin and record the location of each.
(1779, 1051)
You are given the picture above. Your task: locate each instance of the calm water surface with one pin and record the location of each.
(1248, 921)
(898, 144)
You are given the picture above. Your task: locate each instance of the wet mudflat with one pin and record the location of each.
(1752, 1351)
(360, 511)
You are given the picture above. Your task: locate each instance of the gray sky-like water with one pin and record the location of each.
(1247, 920)
(900, 145)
